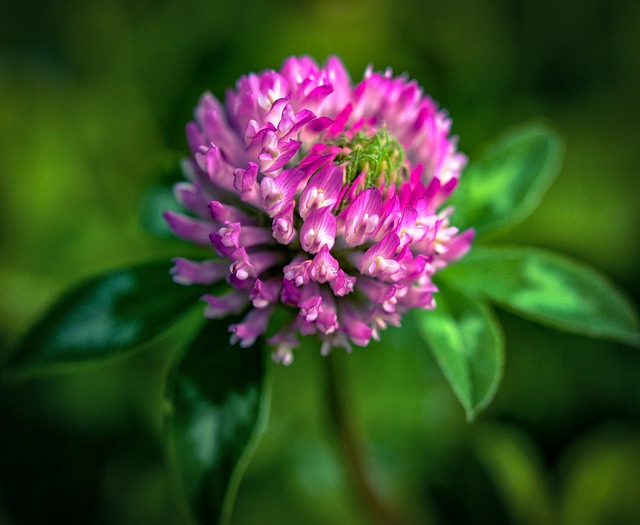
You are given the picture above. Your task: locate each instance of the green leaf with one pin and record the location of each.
(217, 408)
(155, 200)
(505, 184)
(468, 344)
(106, 316)
(159, 197)
(548, 288)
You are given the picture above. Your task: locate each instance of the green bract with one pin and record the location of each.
(380, 156)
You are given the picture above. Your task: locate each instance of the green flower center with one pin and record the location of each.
(380, 156)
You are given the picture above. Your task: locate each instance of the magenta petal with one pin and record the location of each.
(279, 111)
(194, 230)
(245, 266)
(298, 122)
(317, 95)
(339, 122)
(265, 292)
(195, 137)
(279, 192)
(362, 217)
(459, 246)
(189, 272)
(324, 267)
(251, 327)
(319, 124)
(290, 294)
(310, 302)
(314, 161)
(224, 213)
(218, 131)
(241, 266)
(298, 271)
(282, 227)
(351, 323)
(433, 188)
(318, 230)
(343, 284)
(219, 171)
(327, 321)
(285, 341)
(191, 197)
(321, 191)
(285, 153)
(407, 229)
(232, 235)
(226, 240)
(224, 305)
(389, 218)
(379, 260)
(261, 140)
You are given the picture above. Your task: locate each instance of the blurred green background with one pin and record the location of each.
(93, 101)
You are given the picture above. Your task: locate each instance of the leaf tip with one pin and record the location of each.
(470, 415)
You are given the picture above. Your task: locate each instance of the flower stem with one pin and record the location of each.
(379, 510)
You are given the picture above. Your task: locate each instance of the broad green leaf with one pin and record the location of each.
(468, 344)
(155, 200)
(106, 316)
(508, 181)
(217, 407)
(159, 197)
(548, 288)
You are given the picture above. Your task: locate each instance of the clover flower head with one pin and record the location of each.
(319, 197)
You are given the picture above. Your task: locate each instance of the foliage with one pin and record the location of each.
(94, 94)
(216, 391)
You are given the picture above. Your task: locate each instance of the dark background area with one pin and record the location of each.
(93, 101)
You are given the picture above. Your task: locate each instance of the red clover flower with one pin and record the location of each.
(321, 197)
